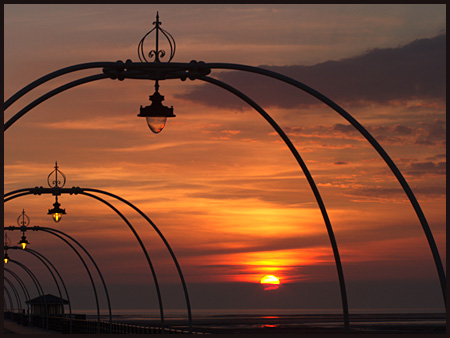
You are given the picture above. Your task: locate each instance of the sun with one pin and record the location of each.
(270, 280)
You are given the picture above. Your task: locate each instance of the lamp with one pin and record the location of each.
(156, 114)
(24, 242)
(6, 258)
(56, 212)
(56, 185)
(23, 220)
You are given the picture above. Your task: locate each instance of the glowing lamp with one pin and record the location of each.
(156, 114)
(56, 212)
(6, 258)
(23, 242)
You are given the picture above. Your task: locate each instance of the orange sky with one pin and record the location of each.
(219, 183)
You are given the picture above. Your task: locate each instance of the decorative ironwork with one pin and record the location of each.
(56, 183)
(23, 220)
(156, 53)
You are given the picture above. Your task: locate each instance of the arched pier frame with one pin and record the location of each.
(199, 70)
(89, 192)
(59, 234)
(49, 265)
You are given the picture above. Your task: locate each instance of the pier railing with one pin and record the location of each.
(82, 326)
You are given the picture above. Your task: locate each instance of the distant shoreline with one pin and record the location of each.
(302, 323)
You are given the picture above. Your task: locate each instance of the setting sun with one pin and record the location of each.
(270, 279)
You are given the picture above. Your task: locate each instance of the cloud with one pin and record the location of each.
(426, 168)
(416, 70)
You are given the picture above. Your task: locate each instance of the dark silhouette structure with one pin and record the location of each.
(54, 305)
(156, 70)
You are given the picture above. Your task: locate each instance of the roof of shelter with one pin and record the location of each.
(49, 299)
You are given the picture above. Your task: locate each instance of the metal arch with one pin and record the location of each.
(27, 191)
(76, 190)
(47, 264)
(119, 65)
(50, 94)
(370, 139)
(311, 182)
(119, 68)
(143, 249)
(53, 75)
(21, 283)
(11, 306)
(87, 269)
(38, 287)
(48, 268)
(16, 294)
(34, 252)
(180, 274)
(83, 262)
(24, 290)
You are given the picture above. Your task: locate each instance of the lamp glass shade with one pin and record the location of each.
(23, 242)
(57, 216)
(156, 123)
(5, 259)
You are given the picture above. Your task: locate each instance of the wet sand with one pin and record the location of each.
(299, 324)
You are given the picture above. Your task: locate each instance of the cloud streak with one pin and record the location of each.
(416, 70)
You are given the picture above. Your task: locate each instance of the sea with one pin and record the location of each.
(285, 320)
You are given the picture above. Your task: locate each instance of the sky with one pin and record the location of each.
(218, 182)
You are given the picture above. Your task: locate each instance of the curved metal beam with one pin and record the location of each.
(172, 254)
(48, 268)
(16, 294)
(21, 283)
(34, 252)
(23, 192)
(50, 94)
(48, 230)
(119, 68)
(311, 182)
(53, 75)
(82, 261)
(143, 249)
(76, 190)
(38, 287)
(11, 306)
(47, 264)
(370, 139)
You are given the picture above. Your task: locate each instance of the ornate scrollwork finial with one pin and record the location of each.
(156, 53)
(55, 183)
(23, 220)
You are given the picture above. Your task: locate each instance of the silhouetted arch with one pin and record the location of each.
(38, 287)
(83, 191)
(27, 191)
(16, 294)
(48, 264)
(5, 304)
(129, 69)
(48, 230)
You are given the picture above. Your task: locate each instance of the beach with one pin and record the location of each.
(423, 323)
